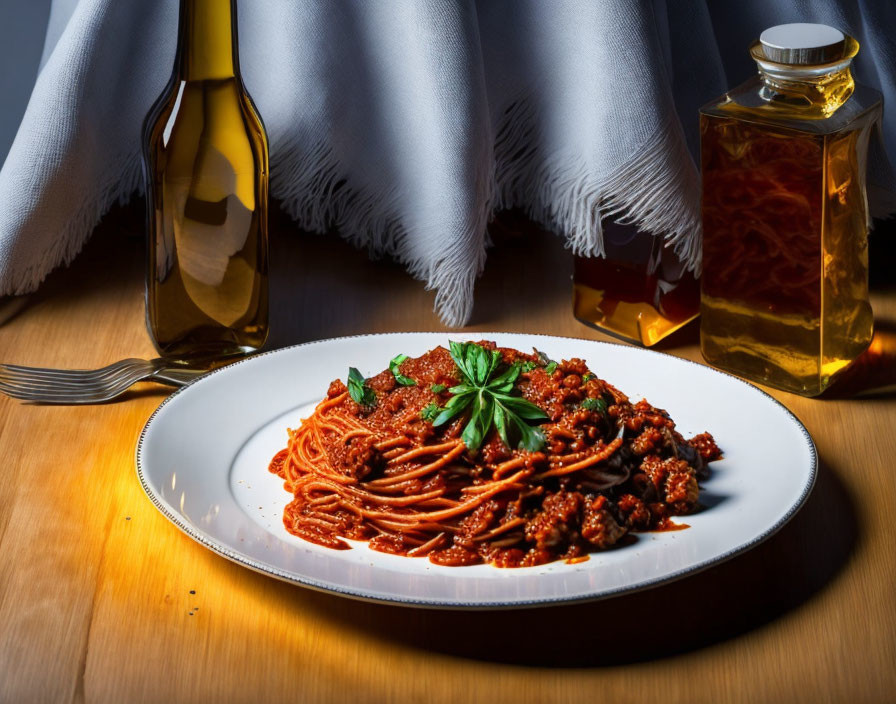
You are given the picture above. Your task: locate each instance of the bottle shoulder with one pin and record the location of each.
(160, 112)
(746, 103)
(210, 105)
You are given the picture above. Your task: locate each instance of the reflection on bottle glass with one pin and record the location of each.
(207, 180)
(785, 220)
(640, 290)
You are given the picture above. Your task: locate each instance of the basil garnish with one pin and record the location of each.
(358, 389)
(399, 377)
(489, 400)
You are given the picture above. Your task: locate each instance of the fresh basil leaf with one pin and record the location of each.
(469, 362)
(455, 406)
(501, 423)
(521, 407)
(488, 399)
(458, 353)
(510, 376)
(531, 438)
(519, 426)
(437, 388)
(527, 412)
(462, 399)
(485, 411)
(456, 349)
(503, 389)
(466, 394)
(446, 415)
(493, 363)
(595, 404)
(480, 360)
(354, 376)
(358, 389)
(399, 377)
(480, 422)
(430, 412)
(471, 436)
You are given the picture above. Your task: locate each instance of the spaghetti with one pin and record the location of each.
(388, 474)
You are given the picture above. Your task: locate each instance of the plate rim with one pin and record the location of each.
(360, 594)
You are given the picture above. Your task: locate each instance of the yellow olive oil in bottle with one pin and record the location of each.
(784, 296)
(206, 156)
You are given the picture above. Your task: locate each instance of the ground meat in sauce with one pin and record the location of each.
(599, 526)
(650, 477)
(706, 446)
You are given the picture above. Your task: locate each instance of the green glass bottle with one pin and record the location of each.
(206, 157)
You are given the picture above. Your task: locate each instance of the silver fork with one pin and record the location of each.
(78, 386)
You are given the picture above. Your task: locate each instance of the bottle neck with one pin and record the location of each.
(207, 43)
(810, 92)
(821, 95)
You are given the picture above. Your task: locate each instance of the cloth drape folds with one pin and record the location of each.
(406, 124)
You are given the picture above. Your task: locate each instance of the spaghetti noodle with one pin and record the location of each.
(385, 473)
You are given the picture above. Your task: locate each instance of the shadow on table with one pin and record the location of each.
(323, 287)
(873, 374)
(724, 602)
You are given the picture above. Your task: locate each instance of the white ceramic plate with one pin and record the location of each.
(203, 457)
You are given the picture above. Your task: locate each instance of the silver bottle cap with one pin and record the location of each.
(802, 44)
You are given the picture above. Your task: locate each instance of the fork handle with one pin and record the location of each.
(177, 377)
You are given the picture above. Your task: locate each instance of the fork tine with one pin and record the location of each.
(63, 392)
(113, 365)
(38, 382)
(76, 386)
(74, 375)
(44, 393)
(70, 394)
(65, 398)
(13, 391)
(86, 378)
(72, 372)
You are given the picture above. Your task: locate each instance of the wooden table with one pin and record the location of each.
(103, 600)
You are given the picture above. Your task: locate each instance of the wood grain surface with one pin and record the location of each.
(103, 600)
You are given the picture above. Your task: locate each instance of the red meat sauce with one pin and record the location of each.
(650, 478)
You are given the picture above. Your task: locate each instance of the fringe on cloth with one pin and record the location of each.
(315, 192)
(656, 189)
(123, 180)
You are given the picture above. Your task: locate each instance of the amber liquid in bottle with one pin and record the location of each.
(785, 261)
(206, 158)
(639, 290)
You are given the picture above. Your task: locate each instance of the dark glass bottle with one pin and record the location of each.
(206, 156)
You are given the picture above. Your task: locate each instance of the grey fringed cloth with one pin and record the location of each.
(406, 124)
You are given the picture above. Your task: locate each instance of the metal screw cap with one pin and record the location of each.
(802, 44)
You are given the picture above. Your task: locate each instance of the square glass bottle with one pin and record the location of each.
(640, 290)
(784, 295)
